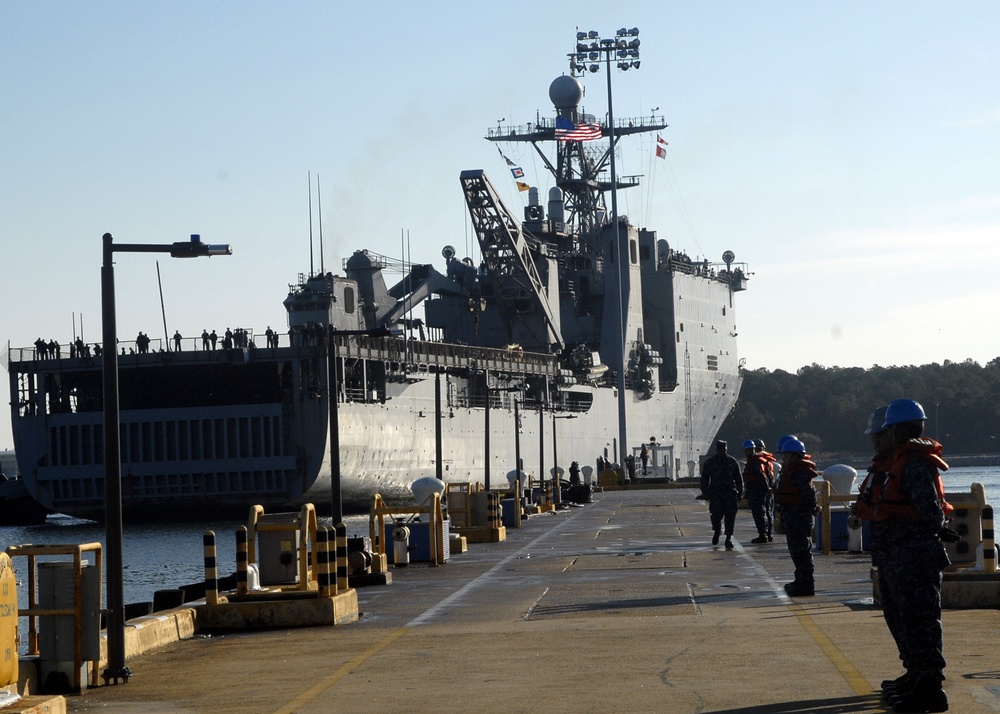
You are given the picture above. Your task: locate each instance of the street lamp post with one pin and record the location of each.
(624, 47)
(541, 452)
(115, 567)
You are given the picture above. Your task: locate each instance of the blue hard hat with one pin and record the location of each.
(875, 421)
(759, 443)
(783, 439)
(792, 445)
(903, 410)
(748, 444)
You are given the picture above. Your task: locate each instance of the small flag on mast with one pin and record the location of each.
(515, 170)
(522, 186)
(661, 147)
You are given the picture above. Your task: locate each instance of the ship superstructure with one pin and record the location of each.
(537, 321)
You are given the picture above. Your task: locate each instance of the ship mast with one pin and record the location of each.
(580, 165)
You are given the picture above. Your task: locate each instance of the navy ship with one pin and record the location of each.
(574, 332)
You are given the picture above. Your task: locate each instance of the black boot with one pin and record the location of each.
(800, 589)
(896, 687)
(729, 542)
(926, 695)
(715, 538)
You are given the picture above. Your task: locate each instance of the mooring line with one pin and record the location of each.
(531, 610)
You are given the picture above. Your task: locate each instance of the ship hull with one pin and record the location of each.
(219, 460)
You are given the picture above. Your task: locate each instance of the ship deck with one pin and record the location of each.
(619, 604)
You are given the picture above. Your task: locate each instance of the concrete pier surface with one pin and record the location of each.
(620, 605)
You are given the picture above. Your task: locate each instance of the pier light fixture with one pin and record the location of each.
(609, 48)
(115, 568)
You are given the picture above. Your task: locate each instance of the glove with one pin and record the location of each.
(948, 535)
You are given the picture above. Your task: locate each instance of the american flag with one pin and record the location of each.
(567, 131)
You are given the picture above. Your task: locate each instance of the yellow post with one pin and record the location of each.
(989, 543)
(211, 569)
(242, 587)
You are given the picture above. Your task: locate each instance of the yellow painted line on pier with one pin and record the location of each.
(847, 670)
(345, 669)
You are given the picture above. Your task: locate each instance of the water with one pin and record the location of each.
(156, 556)
(164, 556)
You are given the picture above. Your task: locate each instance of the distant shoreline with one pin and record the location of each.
(954, 460)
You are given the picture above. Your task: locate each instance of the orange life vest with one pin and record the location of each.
(757, 469)
(788, 493)
(892, 504)
(871, 488)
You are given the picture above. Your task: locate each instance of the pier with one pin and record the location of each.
(619, 605)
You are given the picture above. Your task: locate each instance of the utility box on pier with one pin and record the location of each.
(278, 550)
(56, 636)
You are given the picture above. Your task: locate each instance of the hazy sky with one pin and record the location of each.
(847, 151)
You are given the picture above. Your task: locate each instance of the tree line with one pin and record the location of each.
(828, 407)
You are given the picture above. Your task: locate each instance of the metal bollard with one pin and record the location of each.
(401, 546)
(989, 541)
(323, 561)
(342, 584)
(211, 569)
(496, 514)
(241, 561)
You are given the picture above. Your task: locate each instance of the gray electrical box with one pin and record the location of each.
(56, 632)
(278, 550)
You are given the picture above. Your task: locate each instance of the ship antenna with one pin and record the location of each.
(163, 311)
(309, 174)
(319, 206)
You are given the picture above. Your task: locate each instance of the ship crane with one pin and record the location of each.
(506, 251)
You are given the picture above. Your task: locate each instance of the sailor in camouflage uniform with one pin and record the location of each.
(758, 482)
(796, 497)
(914, 510)
(722, 485)
(878, 542)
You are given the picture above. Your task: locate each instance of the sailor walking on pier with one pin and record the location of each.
(722, 485)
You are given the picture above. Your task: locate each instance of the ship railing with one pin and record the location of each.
(445, 354)
(546, 126)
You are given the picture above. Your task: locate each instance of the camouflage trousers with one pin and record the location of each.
(762, 507)
(915, 562)
(798, 527)
(723, 510)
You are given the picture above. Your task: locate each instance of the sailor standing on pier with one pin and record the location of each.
(757, 477)
(913, 507)
(796, 497)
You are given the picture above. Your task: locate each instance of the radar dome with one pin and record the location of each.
(565, 92)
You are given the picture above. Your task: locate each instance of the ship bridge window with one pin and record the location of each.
(579, 402)
(349, 300)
